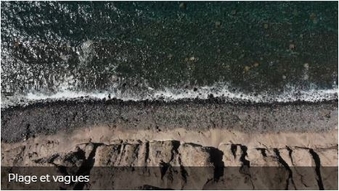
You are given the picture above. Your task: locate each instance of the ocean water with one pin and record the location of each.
(253, 51)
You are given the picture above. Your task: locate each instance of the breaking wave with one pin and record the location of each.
(228, 94)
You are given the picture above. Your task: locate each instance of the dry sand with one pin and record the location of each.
(65, 142)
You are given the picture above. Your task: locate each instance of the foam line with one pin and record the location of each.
(169, 94)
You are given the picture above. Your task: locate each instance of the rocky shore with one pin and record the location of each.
(20, 122)
(187, 144)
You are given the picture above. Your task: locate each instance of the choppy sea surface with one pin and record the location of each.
(252, 51)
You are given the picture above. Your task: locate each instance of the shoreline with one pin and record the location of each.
(165, 144)
(20, 123)
(210, 99)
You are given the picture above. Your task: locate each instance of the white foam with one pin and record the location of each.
(171, 94)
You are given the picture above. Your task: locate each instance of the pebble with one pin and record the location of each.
(306, 77)
(182, 6)
(265, 26)
(192, 58)
(217, 24)
(313, 18)
(247, 68)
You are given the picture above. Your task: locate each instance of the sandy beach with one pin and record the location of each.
(202, 137)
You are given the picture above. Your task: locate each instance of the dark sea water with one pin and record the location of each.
(257, 51)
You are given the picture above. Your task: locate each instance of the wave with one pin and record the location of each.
(290, 94)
